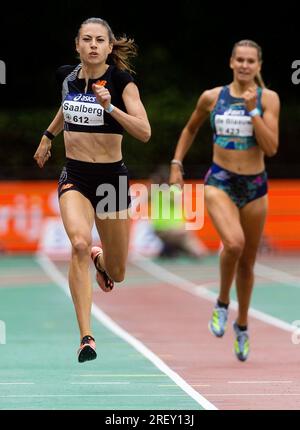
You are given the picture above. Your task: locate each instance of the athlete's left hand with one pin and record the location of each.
(43, 153)
(250, 98)
(102, 95)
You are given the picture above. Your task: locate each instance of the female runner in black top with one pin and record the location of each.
(99, 101)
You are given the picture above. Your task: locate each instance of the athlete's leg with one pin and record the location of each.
(78, 217)
(226, 219)
(253, 217)
(114, 235)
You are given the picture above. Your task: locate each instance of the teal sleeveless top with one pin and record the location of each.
(231, 122)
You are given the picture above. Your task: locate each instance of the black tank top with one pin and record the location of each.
(82, 112)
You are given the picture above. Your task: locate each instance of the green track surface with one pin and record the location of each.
(38, 363)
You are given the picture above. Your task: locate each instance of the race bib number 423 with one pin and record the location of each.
(83, 109)
(234, 125)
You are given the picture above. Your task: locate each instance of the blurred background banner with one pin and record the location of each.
(25, 208)
(30, 221)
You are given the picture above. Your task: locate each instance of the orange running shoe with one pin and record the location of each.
(87, 349)
(102, 278)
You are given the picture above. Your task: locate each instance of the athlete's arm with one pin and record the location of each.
(189, 132)
(57, 125)
(267, 128)
(43, 153)
(135, 121)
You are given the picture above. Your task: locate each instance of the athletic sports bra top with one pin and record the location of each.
(231, 122)
(81, 110)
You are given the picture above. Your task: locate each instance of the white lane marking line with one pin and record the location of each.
(277, 275)
(193, 385)
(123, 376)
(167, 385)
(252, 394)
(99, 383)
(166, 395)
(61, 281)
(259, 382)
(201, 291)
(17, 383)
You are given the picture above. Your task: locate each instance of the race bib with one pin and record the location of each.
(234, 125)
(83, 109)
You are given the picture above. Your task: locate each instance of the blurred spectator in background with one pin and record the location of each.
(167, 220)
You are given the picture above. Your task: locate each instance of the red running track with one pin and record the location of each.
(173, 324)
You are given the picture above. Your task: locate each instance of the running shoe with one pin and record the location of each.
(87, 349)
(241, 343)
(102, 278)
(218, 323)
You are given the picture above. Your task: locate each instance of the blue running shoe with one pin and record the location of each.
(217, 324)
(241, 343)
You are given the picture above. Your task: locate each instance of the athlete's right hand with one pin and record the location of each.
(43, 153)
(176, 176)
(102, 95)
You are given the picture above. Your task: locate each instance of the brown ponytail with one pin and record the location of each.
(123, 50)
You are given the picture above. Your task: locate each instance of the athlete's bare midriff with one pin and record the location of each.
(93, 147)
(247, 162)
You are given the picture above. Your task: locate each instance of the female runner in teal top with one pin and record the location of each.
(244, 116)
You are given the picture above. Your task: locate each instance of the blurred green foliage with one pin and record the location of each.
(182, 51)
(168, 112)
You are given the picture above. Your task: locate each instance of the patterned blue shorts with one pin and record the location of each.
(242, 189)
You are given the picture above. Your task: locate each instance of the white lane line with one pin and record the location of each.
(100, 383)
(61, 281)
(277, 275)
(252, 394)
(193, 385)
(201, 291)
(259, 382)
(116, 375)
(92, 395)
(17, 383)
